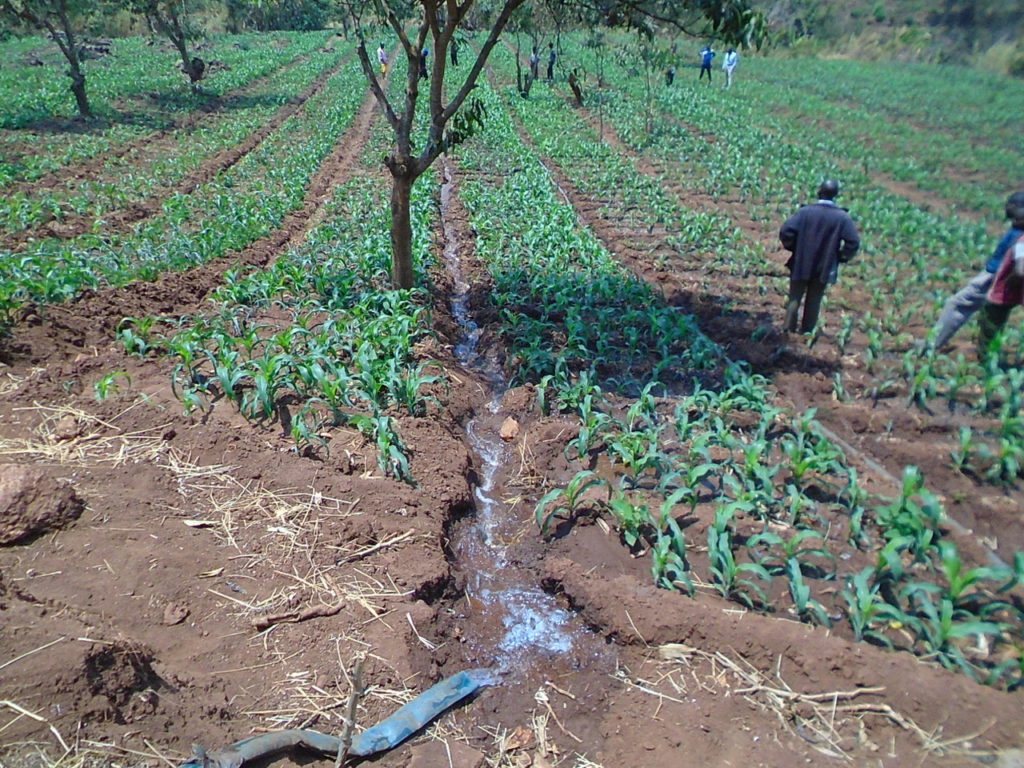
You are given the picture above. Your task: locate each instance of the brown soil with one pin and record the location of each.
(132, 631)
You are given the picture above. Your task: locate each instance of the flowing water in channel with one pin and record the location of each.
(515, 625)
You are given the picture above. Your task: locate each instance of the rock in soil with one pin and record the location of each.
(31, 502)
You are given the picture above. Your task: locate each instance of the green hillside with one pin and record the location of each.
(982, 32)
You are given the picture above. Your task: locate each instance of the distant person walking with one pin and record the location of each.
(670, 75)
(453, 49)
(729, 65)
(552, 55)
(969, 299)
(707, 54)
(1007, 292)
(534, 63)
(820, 236)
(423, 63)
(382, 57)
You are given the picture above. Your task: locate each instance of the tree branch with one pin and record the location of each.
(378, 92)
(478, 65)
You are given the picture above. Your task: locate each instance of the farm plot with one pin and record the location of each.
(39, 139)
(133, 176)
(226, 212)
(270, 466)
(637, 449)
(874, 357)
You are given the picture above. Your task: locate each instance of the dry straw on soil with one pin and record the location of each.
(832, 722)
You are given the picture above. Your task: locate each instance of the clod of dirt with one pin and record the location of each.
(175, 613)
(31, 502)
(519, 399)
(509, 429)
(122, 675)
(67, 428)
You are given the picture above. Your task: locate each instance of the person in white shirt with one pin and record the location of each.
(382, 57)
(729, 64)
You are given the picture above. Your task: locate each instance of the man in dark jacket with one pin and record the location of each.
(820, 236)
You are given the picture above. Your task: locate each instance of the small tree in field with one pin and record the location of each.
(56, 18)
(406, 163)
(732, 20)
(170, 18)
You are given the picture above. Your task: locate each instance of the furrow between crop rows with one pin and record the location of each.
(47, 151)
(129, 190)
(241, 205)
(751, 464)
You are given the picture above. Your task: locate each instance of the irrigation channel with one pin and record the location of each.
(512, 624)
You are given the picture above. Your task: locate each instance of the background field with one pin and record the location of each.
(580, 451)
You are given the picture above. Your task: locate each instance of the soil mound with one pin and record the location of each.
(31, 503)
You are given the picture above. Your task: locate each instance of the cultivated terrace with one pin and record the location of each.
(251, 481)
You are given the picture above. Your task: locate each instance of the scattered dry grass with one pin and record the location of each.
(526, 476)
(530, 745)
(66, 435)
(832, 722)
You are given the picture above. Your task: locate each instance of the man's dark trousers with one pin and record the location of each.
(811, 292)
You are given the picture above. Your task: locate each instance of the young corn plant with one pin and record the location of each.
(107, 384)
(391, 456)
(866, 609)
(938, 625)
(592, 424)
(804, 547)
(854, 498)
(135, 335)
(728, 575)
(637, 451)
(669, 565)
(632, 517)
(808, 451)
(807, 608)
(306, 428)
(915, 515)
(966, 449)
(844, 333)
(962, 583)
(565, 501)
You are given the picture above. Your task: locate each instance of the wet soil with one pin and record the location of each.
(141, 626)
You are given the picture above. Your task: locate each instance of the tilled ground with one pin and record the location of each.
(202, 582)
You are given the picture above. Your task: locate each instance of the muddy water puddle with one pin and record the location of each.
(508, 621)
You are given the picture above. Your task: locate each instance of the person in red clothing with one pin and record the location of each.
(821, 236)
(1007, 292)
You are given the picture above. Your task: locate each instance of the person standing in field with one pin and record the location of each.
(729, 65)
(670, 74)
(969, 299)
(534, 63)
(707, 54)
(423, 63)
(382, 57)
(552, 55)
(1007, 292)
(820, 236)
(454, 51)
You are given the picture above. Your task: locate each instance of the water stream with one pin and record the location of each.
(515, 625)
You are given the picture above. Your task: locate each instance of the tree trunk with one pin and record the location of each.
(78, 89)
(170, 25)
(70, 50)
(401, 231)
